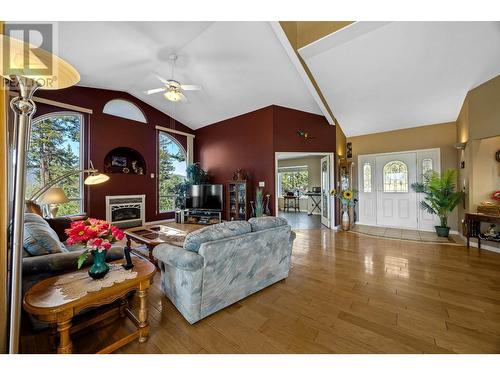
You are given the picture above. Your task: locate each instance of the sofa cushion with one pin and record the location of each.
(60, 224)
(266, 222)
(40, 239)
(215, 232)
(34, 218)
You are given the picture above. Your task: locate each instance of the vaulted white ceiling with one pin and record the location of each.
(381, 76)
(240, 65)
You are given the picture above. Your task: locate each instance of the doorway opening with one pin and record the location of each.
(303, 184)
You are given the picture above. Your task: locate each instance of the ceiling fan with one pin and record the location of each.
(173, 89)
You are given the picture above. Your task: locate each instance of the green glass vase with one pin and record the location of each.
(100, 268)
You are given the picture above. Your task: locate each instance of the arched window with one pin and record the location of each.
(56, 148)
(426, 166)
(367, 178)
(124, 108)
(172, 164)
(395, 177)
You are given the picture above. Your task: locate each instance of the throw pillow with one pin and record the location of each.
(40, 239)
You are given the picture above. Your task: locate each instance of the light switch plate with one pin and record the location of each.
(152, 175)
(262, 183)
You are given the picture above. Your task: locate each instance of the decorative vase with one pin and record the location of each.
(267, 212)
(346, 223)
(100, 268)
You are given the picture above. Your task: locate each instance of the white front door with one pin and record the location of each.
(396, 201)
(325, 191)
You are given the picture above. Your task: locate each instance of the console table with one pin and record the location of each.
(473, 225)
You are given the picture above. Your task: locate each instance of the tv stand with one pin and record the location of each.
(204, 217)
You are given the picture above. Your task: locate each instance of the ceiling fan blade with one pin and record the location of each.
(191, 87)
(183, 98)
(162, 80)
(154, 91)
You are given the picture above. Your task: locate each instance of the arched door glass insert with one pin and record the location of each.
(56, 148)
(172, 164)
(395, 177)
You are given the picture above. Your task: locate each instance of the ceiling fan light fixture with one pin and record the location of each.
(173, 95)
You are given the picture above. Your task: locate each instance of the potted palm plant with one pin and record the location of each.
(441, 196)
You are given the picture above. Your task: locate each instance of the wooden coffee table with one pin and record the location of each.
(53, 301)
(153, 235)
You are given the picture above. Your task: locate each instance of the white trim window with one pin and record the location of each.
(172, 164)
(56, 147)
(293, 179)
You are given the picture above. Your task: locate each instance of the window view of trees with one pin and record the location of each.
(55, 150)
(172, 165)
(293, 181)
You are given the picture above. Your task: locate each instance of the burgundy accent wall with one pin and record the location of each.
(288, 121)
(103, 133)
(250, 141)
(245, 142)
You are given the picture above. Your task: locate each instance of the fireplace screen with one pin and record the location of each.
(128, 212)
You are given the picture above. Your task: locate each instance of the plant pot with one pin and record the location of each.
(100, 268)
(442, 231)
(346, 222)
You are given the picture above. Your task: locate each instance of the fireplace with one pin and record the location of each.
(125, 211)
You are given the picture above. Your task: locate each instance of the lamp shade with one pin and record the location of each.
(60, 74)
(96, 178)
(54, 195)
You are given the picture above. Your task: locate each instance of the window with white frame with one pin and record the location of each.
(293, 180)
(172, 164)
(56, 148)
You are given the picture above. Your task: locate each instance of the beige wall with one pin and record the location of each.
(485, 169)
(314, 167)
(479, 119)
(484, 109)
(442, 136)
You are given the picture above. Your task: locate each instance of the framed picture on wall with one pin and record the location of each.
(119, 161)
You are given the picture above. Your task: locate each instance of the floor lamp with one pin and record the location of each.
(26, 77)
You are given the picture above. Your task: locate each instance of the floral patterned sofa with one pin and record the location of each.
(224, 263)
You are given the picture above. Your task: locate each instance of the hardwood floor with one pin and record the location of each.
(345, 294)
(301, 220)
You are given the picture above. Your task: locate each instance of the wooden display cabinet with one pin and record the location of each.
(237, 204)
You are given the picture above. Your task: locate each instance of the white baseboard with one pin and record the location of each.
(473, 243)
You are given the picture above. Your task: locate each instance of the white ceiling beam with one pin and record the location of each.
(280, 34)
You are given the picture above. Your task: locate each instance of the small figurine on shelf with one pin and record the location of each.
(239, 175)
(253, 208)
(134, 167)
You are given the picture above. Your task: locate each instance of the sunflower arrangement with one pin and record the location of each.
(345, 197)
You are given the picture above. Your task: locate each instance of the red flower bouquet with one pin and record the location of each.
(96, 235)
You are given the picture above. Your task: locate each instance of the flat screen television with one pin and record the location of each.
(204, 197)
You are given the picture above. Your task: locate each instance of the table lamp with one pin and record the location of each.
(53, 197)
(26, 75)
